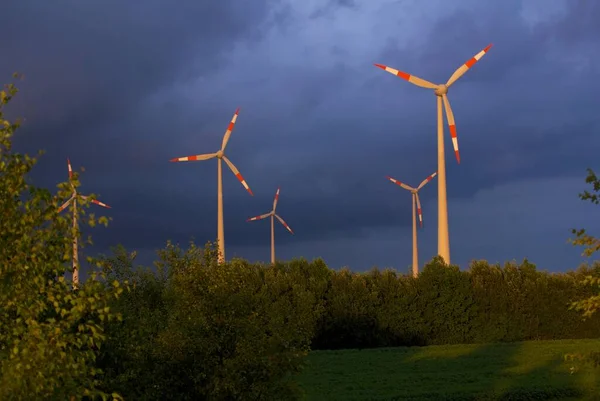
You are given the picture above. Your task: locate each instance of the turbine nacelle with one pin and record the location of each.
(441, 90)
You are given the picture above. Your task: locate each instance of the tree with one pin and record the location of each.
(591, 245)
(49, 334)
(200, 330)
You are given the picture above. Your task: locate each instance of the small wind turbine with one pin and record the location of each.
(220, 155)
(441, 92)
(73, 202)
(273, 215)
(416, 209)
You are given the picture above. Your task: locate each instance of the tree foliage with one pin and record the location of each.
(49, 334)
(591, 245)
(200, 330)
(444, 305)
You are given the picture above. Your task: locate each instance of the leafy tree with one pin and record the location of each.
(49, 334)
(129, 358)
(445, 297)
(202, 330)
(591, 245)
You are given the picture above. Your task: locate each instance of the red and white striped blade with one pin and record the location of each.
(284, 224)
(229, 129)
(64, 205)
(275, 200)
(426, 180)
(96, 202)
(452, 126)
(395, 181)
(262, 216)
(194, 158)
(410, 78)
(466, 66)
(238, 175)
(70, 169)
(419, 211)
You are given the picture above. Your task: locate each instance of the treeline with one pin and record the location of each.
(196, 329)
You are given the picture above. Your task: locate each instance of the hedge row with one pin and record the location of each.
(444, 305)
(199, 330)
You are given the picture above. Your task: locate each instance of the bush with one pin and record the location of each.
(49, 334)
(200, 330)
(487, 303)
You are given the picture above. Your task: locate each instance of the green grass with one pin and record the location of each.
(532, 370)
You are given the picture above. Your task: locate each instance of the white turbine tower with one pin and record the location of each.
(220, 155)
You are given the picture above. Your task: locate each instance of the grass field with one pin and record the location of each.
(514, 371)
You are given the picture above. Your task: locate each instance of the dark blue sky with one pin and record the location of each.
(122, 87)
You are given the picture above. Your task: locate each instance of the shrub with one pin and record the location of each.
(233, 331)
(49, 334)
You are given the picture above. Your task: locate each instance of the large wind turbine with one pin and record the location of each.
(273, 215)
(73, 202)
(220, 155)
(416, 209)
(441, 92)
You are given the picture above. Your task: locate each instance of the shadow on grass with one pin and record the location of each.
(510, 371)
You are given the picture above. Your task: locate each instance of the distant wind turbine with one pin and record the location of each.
(416, 209)
(441, 92)
(273, 216)
(73, 202)
(220, 155)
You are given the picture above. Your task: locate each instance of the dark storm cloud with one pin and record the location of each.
(90, 68)
(317, 118)
(88, 64)
(524, 110)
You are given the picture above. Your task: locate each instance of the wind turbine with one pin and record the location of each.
(273, 216)
(416, 209)
(220, 155)
(73, 202)
(441, 92)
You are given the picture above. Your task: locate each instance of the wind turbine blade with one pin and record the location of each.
(419, 212)
(206, 156)
(70, 174)
(96, 202)
(284, 224)
(64, 205)
(275, 200)
(229, 129)
(466, 66)
(452, 126)
(426, 180)
(395, 181)
(262, 216)
(410, 78)
(238, 175)
(70, 169)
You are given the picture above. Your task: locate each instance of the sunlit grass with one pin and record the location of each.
(511, 371)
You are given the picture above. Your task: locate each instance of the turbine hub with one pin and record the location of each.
(441, 90)
(220, 154)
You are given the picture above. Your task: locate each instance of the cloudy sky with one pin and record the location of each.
(122, 87)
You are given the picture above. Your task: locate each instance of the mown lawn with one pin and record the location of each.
(513, 371)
